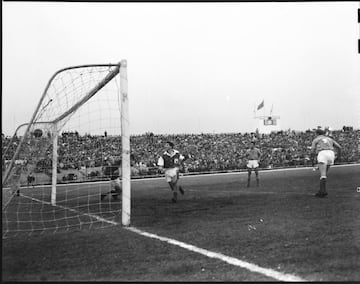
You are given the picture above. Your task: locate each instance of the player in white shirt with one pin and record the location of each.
(324, 146)
(253, 157)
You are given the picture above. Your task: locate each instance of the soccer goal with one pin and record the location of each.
(55, 167)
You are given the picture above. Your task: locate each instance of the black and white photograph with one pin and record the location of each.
(180, 141)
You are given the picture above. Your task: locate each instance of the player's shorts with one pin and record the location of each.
(252, 164)
(171, 175)
(326, 156)
(116, 184)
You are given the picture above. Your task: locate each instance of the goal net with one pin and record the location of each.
(69, 167)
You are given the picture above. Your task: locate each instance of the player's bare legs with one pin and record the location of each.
(257, 176)
(176, 183)
(249, 176)
(179, 186)
(181, 190)
(173, 187)
(327, 169)
(323, 171)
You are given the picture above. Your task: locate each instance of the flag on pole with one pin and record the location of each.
(260, 105)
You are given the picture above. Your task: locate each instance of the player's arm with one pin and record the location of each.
(313, 145)
(338, 147)
(313, 159)
(246, 156)
(160, 163)
(184, 157)
(313, 152)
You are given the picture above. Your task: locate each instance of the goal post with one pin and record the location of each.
(67, 147)
(125, 137)
(54, 133)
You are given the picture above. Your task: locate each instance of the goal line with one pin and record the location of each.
(228, 259)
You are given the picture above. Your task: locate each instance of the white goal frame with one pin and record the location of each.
(121, 68)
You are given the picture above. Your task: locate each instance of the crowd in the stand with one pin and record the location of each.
(209, 152)
(218, 152)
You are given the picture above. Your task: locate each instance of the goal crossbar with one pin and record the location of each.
(100, 85)
(72, 109)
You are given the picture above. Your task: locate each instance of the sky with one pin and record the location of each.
(193, 67)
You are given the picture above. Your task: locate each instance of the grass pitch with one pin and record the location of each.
(278, 225)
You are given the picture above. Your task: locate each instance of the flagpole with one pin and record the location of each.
(264, 107)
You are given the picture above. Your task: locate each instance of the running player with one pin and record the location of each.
(170, 161)
(253, 156)
(323, 146)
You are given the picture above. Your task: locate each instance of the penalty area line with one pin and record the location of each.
(231, 260)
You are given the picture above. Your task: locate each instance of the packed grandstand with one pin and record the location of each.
(209, 152)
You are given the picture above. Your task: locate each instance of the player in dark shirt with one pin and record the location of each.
(170, 161)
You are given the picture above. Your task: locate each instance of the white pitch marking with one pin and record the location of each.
(231, 260)
(254, 192)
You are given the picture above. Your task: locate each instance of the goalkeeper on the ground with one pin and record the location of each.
(112, 171)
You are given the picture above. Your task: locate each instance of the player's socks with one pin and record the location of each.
(323, 185)
(181, 190)
(321, 194)
(322, 191)
(257, 182)
(174, 199)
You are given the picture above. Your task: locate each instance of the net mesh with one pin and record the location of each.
(79, 115)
